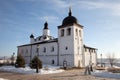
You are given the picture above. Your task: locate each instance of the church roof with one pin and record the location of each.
(89, 47)
(69, 20)
(43, 42)
(31, 36)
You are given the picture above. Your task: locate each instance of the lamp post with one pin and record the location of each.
(101, 59)
(13, 58)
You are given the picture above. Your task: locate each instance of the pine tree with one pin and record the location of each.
(20, 62)
(36, 62)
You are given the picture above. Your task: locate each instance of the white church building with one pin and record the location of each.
(68, 49)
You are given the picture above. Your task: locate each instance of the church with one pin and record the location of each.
(68, 49)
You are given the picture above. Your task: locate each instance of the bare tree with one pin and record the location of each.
(111, 59)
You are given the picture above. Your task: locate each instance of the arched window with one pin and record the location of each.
(66, 48)
(53, 62)
(62, 32)
(37, 50)
(69, 31)
(52, 49)
(76, 32)
(80, 33)
(44, 49)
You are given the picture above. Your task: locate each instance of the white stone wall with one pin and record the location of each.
(64, 42)
(45, 57)
(87, 57)
(46, 32)
(31, 40)
(74, 43)
(78, 44)
(25, 52)
(93, 57)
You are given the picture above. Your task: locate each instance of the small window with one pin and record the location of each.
(53, 62)
(66, 48)
(44, 49)
(76, 32)
(62, 32)
(92, 50)
(80, 33)
(69, 31)
(89, 50)
(37, 50)
(52, 50)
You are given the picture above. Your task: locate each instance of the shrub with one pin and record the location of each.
(20, 62)
(36, 62)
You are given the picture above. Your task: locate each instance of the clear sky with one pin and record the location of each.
(20, 18)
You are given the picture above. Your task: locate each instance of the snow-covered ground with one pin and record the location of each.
(106, 74)
(47, 69)
(3, 79)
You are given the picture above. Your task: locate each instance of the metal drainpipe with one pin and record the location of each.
(31, 53)
(58, 55)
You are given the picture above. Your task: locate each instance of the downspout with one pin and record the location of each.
(31, 53)
(58, 55)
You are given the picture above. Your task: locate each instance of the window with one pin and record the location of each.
(44, 49)
(76, 32)
(53, 61)
(80, 33)
(62, 32)
(69, 31)
(37, 50)
(66, 48)
(90, 50)
(52, 50)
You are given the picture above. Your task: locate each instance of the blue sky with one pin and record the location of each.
(20, 18)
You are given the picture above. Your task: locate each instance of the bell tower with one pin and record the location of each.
(70, 35)
(46, 31)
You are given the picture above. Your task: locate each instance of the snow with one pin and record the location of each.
(106, 74)
(3, 79)
(47, 69)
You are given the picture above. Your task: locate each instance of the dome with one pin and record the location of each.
(31, 36)
(69, 19)
(46, 25)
